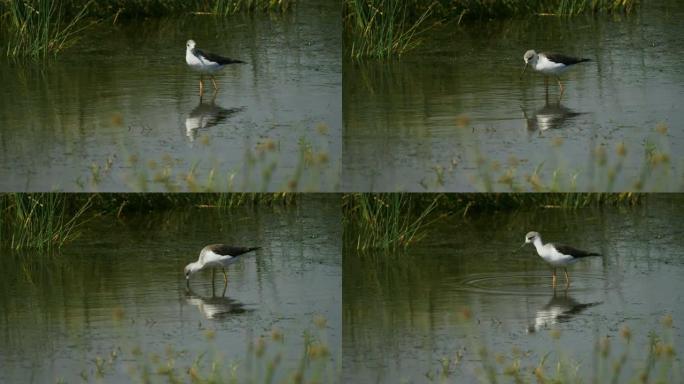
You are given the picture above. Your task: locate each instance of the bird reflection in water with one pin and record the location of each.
(215, 307)
(205, 116)
(560, 309)
(550, 116)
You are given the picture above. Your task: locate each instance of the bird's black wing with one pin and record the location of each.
(216, 58)
(224, 250)
(567, 60)
(574, 252)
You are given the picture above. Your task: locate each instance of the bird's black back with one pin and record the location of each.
(216, 58)
(567, 60)
(224, 250)
(574, 252)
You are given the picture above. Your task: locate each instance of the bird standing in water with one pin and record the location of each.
(553, 64)
(557, 255)
(216, 256)
(206, 63)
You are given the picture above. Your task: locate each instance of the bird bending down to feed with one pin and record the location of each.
(553, 64)
(206, 63)
(556, 255)
(216, 256)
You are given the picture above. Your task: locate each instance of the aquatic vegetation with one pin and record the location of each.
(381, 28)
(39, 28)
(614, 359)
(229, 7)
(392, 221)
(43, 221)
(263, 360)
(387, 221)
(48, 221)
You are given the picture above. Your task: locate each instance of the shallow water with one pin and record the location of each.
(455, 115)
(121, 111)
(401, 313)
(121, 286)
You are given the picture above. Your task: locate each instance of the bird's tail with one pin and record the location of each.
(594, 254)
(582, 61)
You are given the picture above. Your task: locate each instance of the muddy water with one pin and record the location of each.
(401, 315)
(121, 287)
(121, 111)
(455, 115)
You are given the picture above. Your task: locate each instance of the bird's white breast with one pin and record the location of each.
(552, 256)
(547, 66)
(198, 63)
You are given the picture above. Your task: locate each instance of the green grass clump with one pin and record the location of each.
(39, 28)
(387, 221)
(382, 28)
(40, 221)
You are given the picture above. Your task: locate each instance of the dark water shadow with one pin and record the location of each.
(215, 307)
(561, 308)
(550, 116)
(205, 115)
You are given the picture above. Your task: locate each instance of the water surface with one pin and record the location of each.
(120, 111)
(401, 314)
(455, 115)
(120, 286)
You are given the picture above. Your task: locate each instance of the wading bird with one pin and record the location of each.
(556, 255)
(206, 63)
(550, 64)
(216, 256)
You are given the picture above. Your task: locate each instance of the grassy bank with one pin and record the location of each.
(385, 28)
(40, 28)
(391, 221)
(47, 221)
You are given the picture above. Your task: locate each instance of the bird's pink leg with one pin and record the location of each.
(553, 278)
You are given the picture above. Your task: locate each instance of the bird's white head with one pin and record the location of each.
(190, 269)
(530, 55)
(190, 44)
(531, 237)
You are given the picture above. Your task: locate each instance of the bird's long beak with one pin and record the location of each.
(521, 247)
(523, 72)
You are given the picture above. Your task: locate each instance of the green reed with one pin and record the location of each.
(386, 28)
(382, 28)
(48, 221)
(43, 221)
(229, 7)
(387, 221)
(392, 221)
(38, 28)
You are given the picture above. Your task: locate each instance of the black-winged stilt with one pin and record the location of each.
(553, 64)
(557, 255)
(206, 63)
(216, 256)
